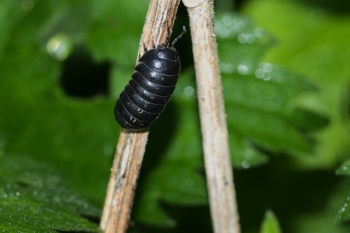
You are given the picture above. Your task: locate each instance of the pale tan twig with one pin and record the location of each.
(213, 118)
(131, 144)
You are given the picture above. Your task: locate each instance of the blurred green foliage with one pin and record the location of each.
(313, 41)
(285, 80)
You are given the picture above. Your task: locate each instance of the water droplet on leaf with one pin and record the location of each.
(59, 47)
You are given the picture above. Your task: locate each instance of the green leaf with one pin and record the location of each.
(344, 212)
(344, 169)
(77, 136)
(35, 198)
(243, 152)
(270, 223)
(259, 96)
(314, 43)
(111, 36)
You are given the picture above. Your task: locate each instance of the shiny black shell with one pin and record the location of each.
(149, 89)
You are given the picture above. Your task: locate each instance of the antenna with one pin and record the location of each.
(177, 38)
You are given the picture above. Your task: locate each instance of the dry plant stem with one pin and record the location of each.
(122, 183)
(213, 120)
(131, 144)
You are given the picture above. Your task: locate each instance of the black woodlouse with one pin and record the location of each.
(150, 87)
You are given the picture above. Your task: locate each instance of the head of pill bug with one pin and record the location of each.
(167, 53)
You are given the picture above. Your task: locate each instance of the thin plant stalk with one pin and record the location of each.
(131, 144)
(218, 169)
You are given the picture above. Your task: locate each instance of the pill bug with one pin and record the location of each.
(150, 87)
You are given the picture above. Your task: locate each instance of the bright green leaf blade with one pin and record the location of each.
(35, 198)
(270, 223)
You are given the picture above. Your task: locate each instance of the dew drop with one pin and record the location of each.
(259, 73)
(59, 47)
(245, 164)
(259, 32)
(267, 67)
(224, 33)
(188, 91)
(243, 69)
(242, 38)
(251, 38)
(227, 20)
(267, 77)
